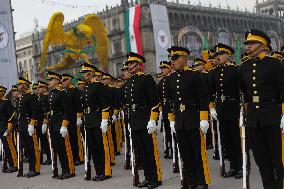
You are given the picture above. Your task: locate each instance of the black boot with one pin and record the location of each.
(143, 184)
(231, 173)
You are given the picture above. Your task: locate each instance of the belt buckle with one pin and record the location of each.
(255, 99)
(181, 107)
(223, 98)
(88, 110)
(51, 112)
(133, 106)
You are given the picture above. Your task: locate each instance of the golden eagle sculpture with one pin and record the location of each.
(85, 38)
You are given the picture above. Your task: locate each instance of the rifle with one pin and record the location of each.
(20, 156)
(222, 163)
(134, 162)
(175, 158)
(53, 156)
(182, 179)
(245, 152)
(87, 160)
(213, 133)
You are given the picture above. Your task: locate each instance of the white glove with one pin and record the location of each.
(114, 118)
(129, 128)
(31, 130)
(213, 113)
(204, 125)
(63, 131)
(43, 128)
(152, 126)
(282, 124)
(172, 126)
(104, 125)
(5, 134)
(79, 122)
(241, 119)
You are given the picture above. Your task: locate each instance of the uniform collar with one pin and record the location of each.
(261, 55)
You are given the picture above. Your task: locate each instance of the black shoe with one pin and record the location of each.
(143, 184)
(205, 186)
(20, 174)
(231, 173)
(239, 174)
(54, 176)
(12, 169)
(60, 176)
(155, 184)
(66, 176)
(5, 170)
(87, 178)
(77, 163)
(99, 178)
(30, 174)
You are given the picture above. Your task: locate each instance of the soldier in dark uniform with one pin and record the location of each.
(224, 83)
(142, 97)
(278, 55)
(59, 117)
(6, 136)
(96, 101)
(34, 88)
(262, 83)
(42, 90)
(27, 115)
(81, 84)
(126, 75)
(189, 118)
(75, 123)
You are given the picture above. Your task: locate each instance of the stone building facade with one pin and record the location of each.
(193, 26)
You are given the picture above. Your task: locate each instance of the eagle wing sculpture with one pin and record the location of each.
(85, 38)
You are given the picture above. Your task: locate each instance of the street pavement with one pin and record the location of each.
(122, 179)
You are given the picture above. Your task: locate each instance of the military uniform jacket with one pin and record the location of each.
(59, 109)
(43, 114)
(73, 94)
(224, 91)
(140, 94)
(96, 99)
(28, 109)
(164, 101)
(187, 89)
(262, 83)
(6, 114)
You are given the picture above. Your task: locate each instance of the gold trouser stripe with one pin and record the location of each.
(107, 155)
(157, 157)
(117, 135)
(37, 152)
(120, 134)
(12, 150)
(204, 156)
(283, 148)
(15, 137)
(80, 145)
(110, 142)
(69, 155)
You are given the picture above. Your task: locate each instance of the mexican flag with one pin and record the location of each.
(133, 40)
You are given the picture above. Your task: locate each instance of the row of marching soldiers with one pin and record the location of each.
(244, 101)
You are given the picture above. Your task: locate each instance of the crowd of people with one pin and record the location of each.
(232, 108)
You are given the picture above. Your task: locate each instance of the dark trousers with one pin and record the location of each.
(29, 148)
(231, 139)
(144, 143)
(168, 135)
(192, 151)
(266, 144)
(9, 150)
(96, 149)
(72, 130)
(44, 146)
(63, 150)
(114, 133)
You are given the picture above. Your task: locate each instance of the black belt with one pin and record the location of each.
(136, 106)
(262, 99)
(227, 99)
(185, 106)
(89, 110)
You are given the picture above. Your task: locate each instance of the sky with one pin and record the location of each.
(27, 11)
